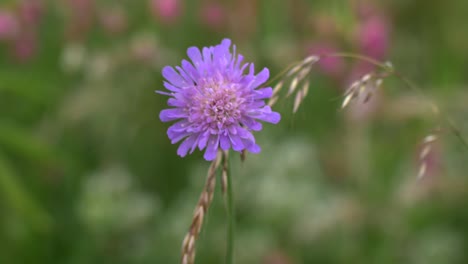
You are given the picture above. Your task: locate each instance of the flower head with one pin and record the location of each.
(216, 103)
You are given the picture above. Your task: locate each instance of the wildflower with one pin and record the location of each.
(216, 104)
(31, 12)
(374, 37)
(166, 11)
(114, 20)
(8, 25)
(213, 15)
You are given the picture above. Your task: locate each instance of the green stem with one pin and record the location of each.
(230, 214)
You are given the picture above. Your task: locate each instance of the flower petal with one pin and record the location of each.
(263, 93)
(176, 102)
(203, 140)
(195, 55)
(186, 145)
(173, 77)
(190, 70)
(252, 124)
(172, 114)
(236, 142)
(224, 142)
(261, 78)
(265, 114)
(254, 148)
(212, 148)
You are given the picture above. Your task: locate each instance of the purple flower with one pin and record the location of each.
(216, 104)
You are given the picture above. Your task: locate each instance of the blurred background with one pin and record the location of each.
(88, 175)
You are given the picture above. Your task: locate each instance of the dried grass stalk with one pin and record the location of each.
(273, 100)
(296, 77)
(224, 173)
(426, 149)
(363, 89)
(204, 202)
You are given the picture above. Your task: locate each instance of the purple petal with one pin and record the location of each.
(172, 76)
(212, 148)
(233, 129)
(263, 93)
(265, 114)
(171, 87)
(164, 93)
(261, 77)
(236, 142)
(194, 145)
(203, 140)
(252, 124)
(176, 102)
(177, 136)
(195, 55)
(224, 142)
(179, 126)
(254, 148)
(257, 104)
(186, 145)
(172, 114)
(190, 70)
(184, 75)
(221, 54)
(243, 133)
(207, 55)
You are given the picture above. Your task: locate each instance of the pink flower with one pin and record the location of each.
(8, 25)
(167, 11)
(30, 12)
(373, 37)
(114, 21)
(25, 47)
(213, 15)
(81, 18)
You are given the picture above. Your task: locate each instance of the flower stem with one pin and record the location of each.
(230, 212)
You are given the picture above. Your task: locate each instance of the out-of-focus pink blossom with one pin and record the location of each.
(24, 47)
(373, 37)
(331, 66)
(30, 12)
(81, 14)
(8, 25)
(167, 11)
(213, 15)
(114, 21)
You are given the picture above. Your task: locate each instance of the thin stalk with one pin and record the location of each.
(283, 72)
(230, 211)
(435, 109)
